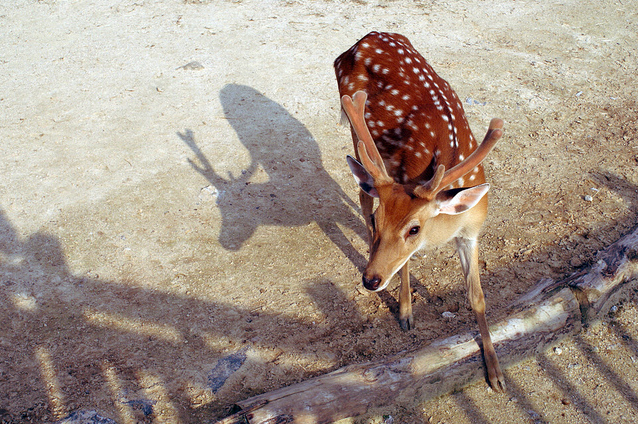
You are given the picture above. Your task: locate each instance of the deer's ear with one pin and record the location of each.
(362, 177)
(456, 201)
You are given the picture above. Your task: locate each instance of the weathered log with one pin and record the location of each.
(549, 312)
(598, 288)
(436, 369)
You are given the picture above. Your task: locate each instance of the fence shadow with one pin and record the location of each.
(70, 340)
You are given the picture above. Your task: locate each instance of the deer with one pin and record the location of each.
(415, 153)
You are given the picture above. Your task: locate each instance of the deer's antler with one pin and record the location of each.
(440, 179)
(367, 151)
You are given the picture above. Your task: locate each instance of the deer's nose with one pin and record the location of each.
(371, 283)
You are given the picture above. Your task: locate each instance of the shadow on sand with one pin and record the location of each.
(295, 189)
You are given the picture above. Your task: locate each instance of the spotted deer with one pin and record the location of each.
(416, 154)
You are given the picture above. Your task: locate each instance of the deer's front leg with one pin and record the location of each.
(468, 252)
(405, 300)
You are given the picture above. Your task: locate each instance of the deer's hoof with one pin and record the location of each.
(498, 383)
(406, 324)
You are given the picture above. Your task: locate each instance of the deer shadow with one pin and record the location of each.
(285, 183)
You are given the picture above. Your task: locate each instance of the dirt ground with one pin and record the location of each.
(179, 229)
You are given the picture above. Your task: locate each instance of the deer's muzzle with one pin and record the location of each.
(371, 283)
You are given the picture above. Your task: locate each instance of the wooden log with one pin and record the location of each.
(546, 314)
(599, 287)
(436, 369)
(447, 365)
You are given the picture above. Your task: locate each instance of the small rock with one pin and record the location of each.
(448, 314)
(565, 401)
(224, 368)
(612, 347)
(85, 417)
(558, 350)
(533, 415)
(210, 193)
(588, 198)
(473, 102)
(144, 405)
(192, 66)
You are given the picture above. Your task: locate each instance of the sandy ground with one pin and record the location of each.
(179, 229)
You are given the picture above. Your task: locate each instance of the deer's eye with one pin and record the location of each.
(414, 230)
